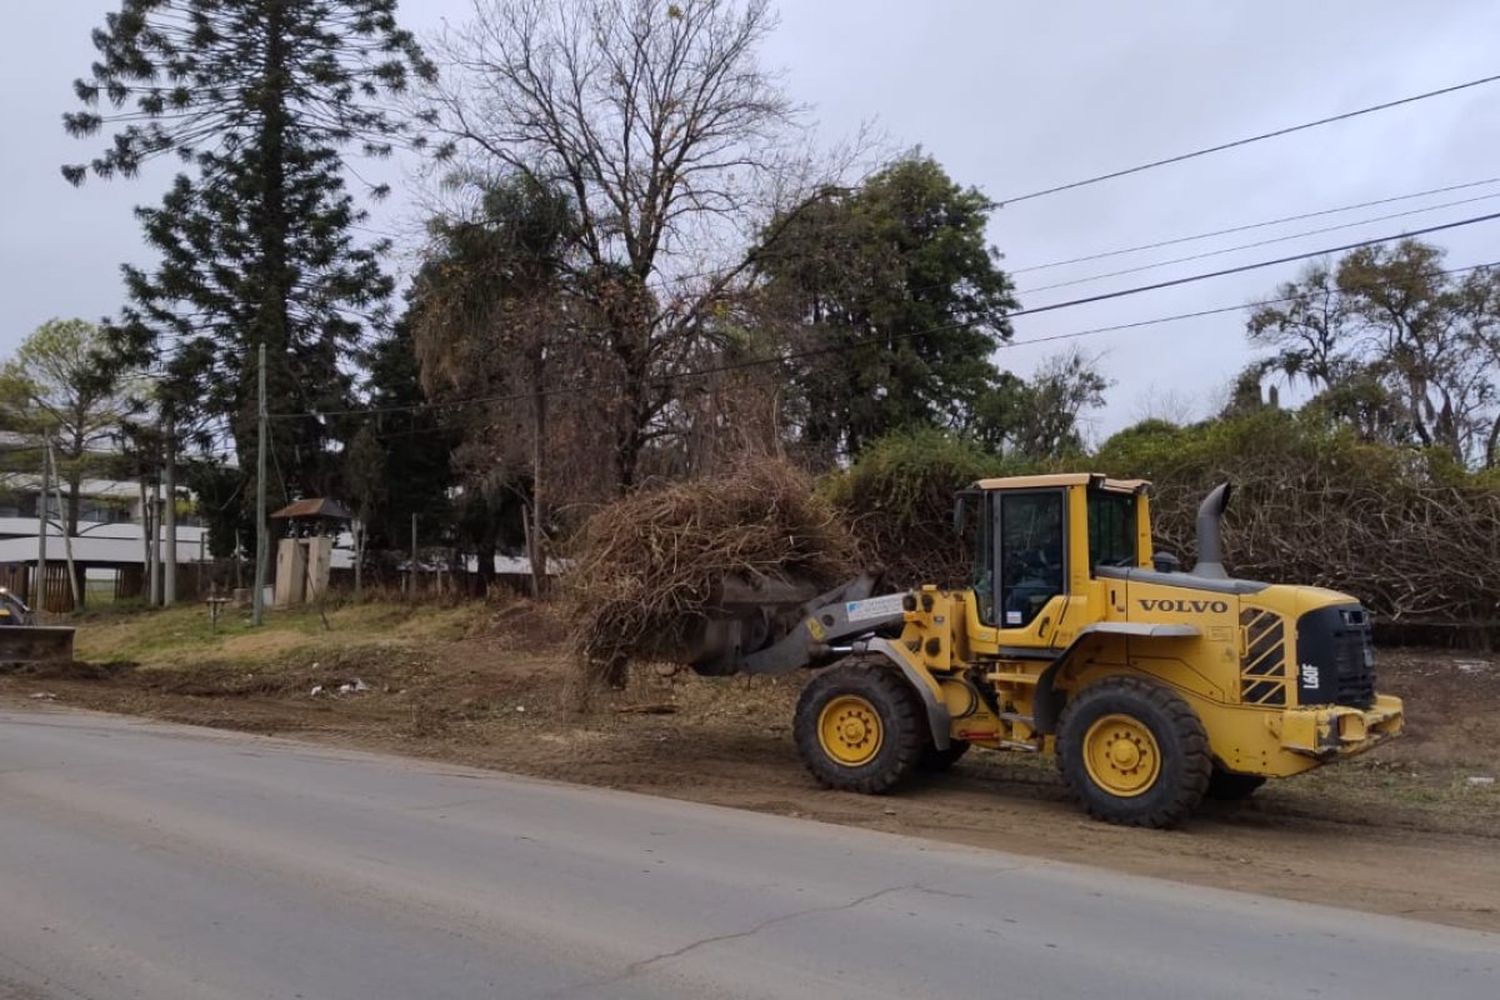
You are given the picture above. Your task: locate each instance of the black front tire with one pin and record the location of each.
(903, 728)
(1183, 768)
(1226, 786)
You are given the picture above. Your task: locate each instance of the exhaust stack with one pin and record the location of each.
(1210, 538)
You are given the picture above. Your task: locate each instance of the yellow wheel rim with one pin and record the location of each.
(849, 730)
(1121, 756)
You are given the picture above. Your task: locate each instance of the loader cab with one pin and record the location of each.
(1035, 543)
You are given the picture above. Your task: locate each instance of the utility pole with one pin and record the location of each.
(261, 541)
(412, 576)
(169, 570)
(39, 592)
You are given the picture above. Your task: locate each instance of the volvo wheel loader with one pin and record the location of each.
(1153, 687)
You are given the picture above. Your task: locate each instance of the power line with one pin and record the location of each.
(1250, 226)
(750, 363)
(1247, 140)
(1258, 243)
(1199, 314)
(731, 366)
(1242, 268)
(916, 334)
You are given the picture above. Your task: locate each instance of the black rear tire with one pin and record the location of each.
(1170, 787)
(936, 761)
(1226, 786)
(886, 697)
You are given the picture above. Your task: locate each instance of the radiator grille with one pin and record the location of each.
(1263, 665)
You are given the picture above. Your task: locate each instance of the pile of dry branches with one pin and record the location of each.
(644, 568)
(1415, 554)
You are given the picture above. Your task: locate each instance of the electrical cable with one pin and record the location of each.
(1242, 268)
(1251, 225)
(1257, 243)
(1247, 140)
(839, 348)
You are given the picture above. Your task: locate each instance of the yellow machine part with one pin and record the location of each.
(945, 641)
(850, 731)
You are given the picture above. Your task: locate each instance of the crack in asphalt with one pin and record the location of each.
(637, 967)
(634, 968)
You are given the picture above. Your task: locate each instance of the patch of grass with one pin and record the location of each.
(185, 635)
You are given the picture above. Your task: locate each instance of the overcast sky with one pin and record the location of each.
(1009, 97)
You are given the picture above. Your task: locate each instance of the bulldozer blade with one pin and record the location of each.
(36, 644)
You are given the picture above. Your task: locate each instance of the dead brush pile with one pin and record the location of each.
(644, 568)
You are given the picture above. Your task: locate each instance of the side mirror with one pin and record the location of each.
(960, 511)
(1166, 562)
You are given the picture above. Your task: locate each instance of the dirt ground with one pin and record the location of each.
(1402, 830)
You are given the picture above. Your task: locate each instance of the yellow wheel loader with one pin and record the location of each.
(1153, 687)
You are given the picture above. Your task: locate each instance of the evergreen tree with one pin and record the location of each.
(261, 98)
(895, 285)
(401, 444)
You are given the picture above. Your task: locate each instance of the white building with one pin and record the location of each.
(110, 545)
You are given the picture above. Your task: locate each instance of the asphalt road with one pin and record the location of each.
(163, 862)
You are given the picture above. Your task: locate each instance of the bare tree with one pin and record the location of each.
(663, 129)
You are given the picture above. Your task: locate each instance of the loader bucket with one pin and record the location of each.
(748, 616)
(36, 644)
(745, 615)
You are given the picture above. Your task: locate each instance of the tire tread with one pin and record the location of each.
(1195, 760)
(901, 715)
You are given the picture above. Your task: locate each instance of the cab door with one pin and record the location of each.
(1030, 552)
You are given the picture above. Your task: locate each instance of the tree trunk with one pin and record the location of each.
(359, 558)
(484, 555)
(39, 591)
(269, 225)
(145, 538)
(156, 567)
(169, 472)
(73, 587)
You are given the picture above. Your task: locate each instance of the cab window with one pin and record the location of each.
(1112, 529)
(1030, 554)
(977, 522)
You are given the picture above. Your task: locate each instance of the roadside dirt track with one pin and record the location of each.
(1402, 831)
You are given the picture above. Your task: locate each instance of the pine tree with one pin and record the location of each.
(261, 99)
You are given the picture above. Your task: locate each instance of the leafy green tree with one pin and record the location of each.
(493, 319)
(893, 301)
(55, 388)
(1040, 417)
(219, 491)
(399, 463)
(1397, 347)
(1423, 341)
(262, 99)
